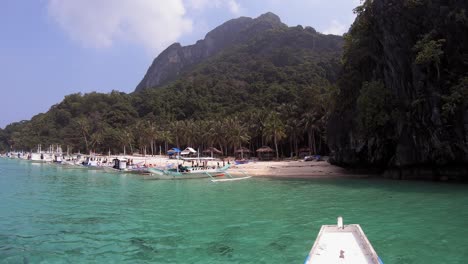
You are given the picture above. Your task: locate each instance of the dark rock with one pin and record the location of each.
(419, 132)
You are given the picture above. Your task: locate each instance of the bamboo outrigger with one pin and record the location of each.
(195, 172)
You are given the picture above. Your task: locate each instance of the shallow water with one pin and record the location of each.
(50, 214)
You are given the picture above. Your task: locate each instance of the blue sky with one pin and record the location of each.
(52, 48)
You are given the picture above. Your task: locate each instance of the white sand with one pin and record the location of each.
(287, 169)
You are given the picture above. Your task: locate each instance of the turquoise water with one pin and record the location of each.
(50, 214)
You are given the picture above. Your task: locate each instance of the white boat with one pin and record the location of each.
(37, 157)
(182, 172)
(336, 244)
(122, 165)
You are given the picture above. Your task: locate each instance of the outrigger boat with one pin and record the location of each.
(121, 165)
(182, 172)
(195, 172)
(342, 244)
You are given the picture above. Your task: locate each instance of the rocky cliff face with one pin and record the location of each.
(177, 59)
(413, 57)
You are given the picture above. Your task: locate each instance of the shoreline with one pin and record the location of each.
(295, 170)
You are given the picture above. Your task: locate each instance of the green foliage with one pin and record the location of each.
(246, 95)
(455, 100)
(374, 106)
(414, 3)
(429, 52)
(401, 97)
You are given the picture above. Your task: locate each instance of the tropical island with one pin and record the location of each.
(389, 96)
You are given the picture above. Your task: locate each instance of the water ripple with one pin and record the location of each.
(52, 215)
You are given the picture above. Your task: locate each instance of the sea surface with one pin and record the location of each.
(50, 214)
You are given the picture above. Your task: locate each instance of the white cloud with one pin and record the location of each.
(202, 4)
(232, 5)
(153, 24)
(336, 28)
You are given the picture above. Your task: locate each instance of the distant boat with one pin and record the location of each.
(242, 161)
(342, 244)
(121, 165)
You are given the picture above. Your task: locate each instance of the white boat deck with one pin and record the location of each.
(347, 245)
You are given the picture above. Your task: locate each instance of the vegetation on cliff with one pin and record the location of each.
(272, 89)
(403, 91)
(395, 98)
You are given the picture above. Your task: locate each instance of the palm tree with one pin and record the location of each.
(177, 130)
(97, 138)
(84, 126)
(151, 132)
(293, 128)
(310, 125)
(141, 132)
(274, 129)
(219, 134)
(238, 133)
(166, 137)
(290, 113)
(125, 137)
(189, 132)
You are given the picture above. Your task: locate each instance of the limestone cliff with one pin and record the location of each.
(404, 89)
(177, 59)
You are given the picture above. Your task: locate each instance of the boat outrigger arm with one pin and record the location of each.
(230, 178)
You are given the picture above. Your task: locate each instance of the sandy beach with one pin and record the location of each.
(276, 169)
(294, 169)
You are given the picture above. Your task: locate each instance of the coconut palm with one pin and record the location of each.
(177, 130)
(151, 133)
(84, 127)
(219, 134)
(166, 137)
(238, 133)
(310, 125)
(125, 137)
(273, 129)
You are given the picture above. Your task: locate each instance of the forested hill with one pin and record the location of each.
(269, 85)
(177, 59)
(403, 93)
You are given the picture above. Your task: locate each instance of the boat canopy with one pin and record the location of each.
(188, 151)
(199, 158)
(173, 151)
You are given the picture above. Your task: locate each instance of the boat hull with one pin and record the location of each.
(346, 244)
(191, 174)
(131, 171)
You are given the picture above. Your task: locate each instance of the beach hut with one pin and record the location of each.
(188, 152)
(173, 153)
(213, 152)
(265, 153)
(242, 153)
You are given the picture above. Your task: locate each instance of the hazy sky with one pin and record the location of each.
(51, 48)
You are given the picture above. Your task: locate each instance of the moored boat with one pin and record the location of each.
(122, 165)
(182, 172)
(342, 244)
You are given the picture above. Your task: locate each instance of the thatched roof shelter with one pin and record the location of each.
(242, 153)
(265, 149)
(265, 153)
(242, 150)
(212, 150)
